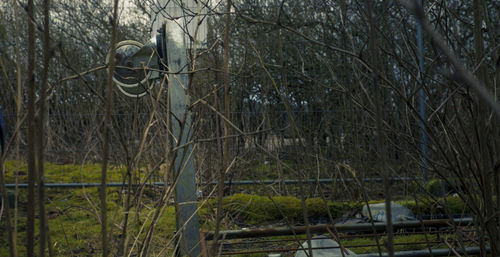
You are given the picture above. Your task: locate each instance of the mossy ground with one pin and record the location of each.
(74, 222)
(75, 225)
(64, 173)
(249, 209)
(73, 214)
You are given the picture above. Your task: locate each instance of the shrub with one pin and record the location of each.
(434, 187)
(316, 207)
(252, 209)
(260, 210)
(456, 205)
(429, 206)
(291, 207)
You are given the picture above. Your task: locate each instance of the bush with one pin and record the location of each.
(429, 206)
(434, 187)
(260, 210)
(251, 209)
(291, 207)
(456, 205)
(316, 207)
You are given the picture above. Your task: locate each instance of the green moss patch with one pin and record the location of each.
(64, 173)
(260, 210)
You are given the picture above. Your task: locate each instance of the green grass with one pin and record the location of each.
(73, 214)
(64, 173)
(75, 224)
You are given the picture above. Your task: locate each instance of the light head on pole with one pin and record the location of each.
(136, 65)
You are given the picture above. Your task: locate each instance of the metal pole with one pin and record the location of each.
(420, 52)
(185, 187)
(3, 134)
(378, 226)
(425, 253)
(415, 253)
(227, 182)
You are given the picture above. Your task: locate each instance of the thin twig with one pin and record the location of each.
(460, 73)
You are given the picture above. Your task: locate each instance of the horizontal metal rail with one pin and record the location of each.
(344, 236)
(414, 253)
(425, 253)
(295, 249)
(82, 185)
(378, 226)
(311, 181)
(227, 182)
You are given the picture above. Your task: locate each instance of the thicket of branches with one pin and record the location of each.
(316, 88)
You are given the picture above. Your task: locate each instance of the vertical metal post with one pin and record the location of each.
(3, 134)
(185, 189)
(174, 17)
(420, 45)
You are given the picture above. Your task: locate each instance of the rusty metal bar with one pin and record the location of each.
(345, 246)
(351, 236)
(283, 231)
(349, 246)
(276, 250)
(448, 231)
(425, 253)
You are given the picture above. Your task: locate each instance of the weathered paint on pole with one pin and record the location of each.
(178, 19)
(191, 15)
(185, 189)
